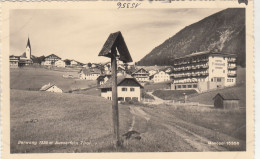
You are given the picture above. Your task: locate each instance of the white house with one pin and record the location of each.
(89, 74)
(51, 88)
(73, 63)
(128, 88)
(60, 63)
(160, 77)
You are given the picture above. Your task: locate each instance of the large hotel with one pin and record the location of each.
(204, 70)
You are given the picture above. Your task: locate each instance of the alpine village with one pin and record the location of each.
(187, 94)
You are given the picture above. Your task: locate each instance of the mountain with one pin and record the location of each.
(224, 31)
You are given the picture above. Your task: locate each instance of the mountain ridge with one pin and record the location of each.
(224, 30)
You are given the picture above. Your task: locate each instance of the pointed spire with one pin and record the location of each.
(28, 42)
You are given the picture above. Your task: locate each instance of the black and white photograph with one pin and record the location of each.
(137, 80)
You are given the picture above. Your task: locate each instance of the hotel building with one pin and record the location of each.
(204, 71)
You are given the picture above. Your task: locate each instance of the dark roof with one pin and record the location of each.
(227, 96)
(136, 72)
(120, 79)
(116, 40)
(91, 71)
(46, 87)
(206, 53)
(28, 43)
(101, 77)
(53, 55)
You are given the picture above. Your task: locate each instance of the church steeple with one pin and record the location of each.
(28, 43)
(28, 49)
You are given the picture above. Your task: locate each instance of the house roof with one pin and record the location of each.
(120, 79)
(101, 77)
(116, 40)
(91, 71)
(46, 87)
(227, 96)
(53, 55)
(205, 53)
(136, 72)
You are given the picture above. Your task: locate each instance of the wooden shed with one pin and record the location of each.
(226, 101)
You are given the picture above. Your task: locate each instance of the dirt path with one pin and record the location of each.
(156, 99)
(198, 142)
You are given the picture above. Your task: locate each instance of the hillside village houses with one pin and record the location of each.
(89, 74)
(24, 59)
(141, 75)
(128, 88)
(103, 79)
(50, 60)
(60, 63)
(204, 70)
(160, 77)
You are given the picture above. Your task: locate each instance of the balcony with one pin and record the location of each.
(232, 67)
(231, 60)
(232, 74)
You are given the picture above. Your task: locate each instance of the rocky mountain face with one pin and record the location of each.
(224, 31)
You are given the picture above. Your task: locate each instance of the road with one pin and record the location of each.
(176, 126)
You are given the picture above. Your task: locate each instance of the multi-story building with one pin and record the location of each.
(160, 77)
(14, 60)
(51, 59)
(204, 70)
(141, 75)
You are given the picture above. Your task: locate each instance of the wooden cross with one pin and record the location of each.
(115, 42)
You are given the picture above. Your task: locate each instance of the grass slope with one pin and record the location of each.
(35, 78)
(207, 97)
(63, 118)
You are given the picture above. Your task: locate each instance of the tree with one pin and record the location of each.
(67, 62)
(89, 65)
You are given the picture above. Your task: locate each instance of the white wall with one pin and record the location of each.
(54, 89)
(120, 93)
(161, 77)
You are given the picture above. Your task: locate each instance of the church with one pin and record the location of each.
(24, 59)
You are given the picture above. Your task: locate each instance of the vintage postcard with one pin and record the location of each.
(127, 79)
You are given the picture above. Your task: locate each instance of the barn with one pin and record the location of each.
(226, 101)
(51, 88)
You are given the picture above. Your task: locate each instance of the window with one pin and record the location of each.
(218, 79)
(223, 71)
(124, 89)
(132, 89)
(189, 86)
(179, 86)
(211, 79)
(195, 86)
(183, 86)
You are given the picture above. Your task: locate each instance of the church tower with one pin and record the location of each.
(28, 49)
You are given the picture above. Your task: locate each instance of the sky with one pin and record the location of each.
(80, 34)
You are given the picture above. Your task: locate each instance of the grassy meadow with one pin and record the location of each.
(83, 119)
(62, 118)
(35, 78)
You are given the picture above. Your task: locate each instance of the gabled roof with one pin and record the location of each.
(101, 77)
(227, 96)
(136, 72)
(120, 79)
(116, 40)
(28, 43)
(47, 86)
(53, 55)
